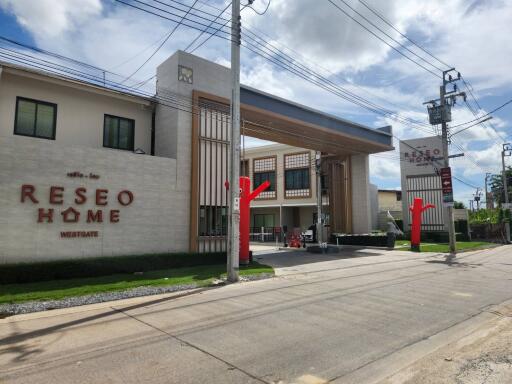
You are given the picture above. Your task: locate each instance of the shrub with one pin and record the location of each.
(102, 266)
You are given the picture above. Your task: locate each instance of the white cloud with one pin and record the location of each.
(51, 18)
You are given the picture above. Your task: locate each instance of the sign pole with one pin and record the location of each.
(506, 148)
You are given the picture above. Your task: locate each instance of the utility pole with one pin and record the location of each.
(234, 174)
(448, 209)
(319, 229)
(488, 202)
(441, 114)
(507, 151)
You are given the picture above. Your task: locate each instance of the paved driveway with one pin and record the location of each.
(333, 320)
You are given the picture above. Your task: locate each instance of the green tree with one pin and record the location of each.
(459, 205)
(496, 186)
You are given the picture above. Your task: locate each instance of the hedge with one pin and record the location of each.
(103, 266)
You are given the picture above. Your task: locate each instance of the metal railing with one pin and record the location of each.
(265, 234)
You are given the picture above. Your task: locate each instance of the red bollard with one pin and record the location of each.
(246, 196)
(417, 209)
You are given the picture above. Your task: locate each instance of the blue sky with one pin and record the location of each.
(473, 36)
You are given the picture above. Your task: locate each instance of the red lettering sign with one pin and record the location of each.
(41, 215)
(56, 195)
(95, 216)
(125, 200)
(101, 196)
(27, 191)
(114, 216)
(80, 195)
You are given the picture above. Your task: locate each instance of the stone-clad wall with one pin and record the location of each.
(150, 224)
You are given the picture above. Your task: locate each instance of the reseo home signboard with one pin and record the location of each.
(420, 161)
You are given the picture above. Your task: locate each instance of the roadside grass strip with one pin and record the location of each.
(444, 247)
(199, 276)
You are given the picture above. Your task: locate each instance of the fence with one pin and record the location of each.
(265, 234)
(490, 232)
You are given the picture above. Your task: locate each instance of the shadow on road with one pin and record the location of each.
(452, 261)
(301, 257)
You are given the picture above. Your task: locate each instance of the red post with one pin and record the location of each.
(417, 209)
(246, 196)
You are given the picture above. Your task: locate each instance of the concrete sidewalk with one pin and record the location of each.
(336, 320)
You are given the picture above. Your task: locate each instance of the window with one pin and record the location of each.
(213, 220)
(296, 179)
(297, 175)
(265, 170)
(35, 118)
(118, 133)
(263, 220)
(398, 195)
(261, 177)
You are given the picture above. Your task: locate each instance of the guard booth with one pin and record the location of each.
(345, 147)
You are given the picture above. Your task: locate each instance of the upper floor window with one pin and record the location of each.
(297, 175)
(118, 132)
(265, 170)
(35, 118)
(296, 179)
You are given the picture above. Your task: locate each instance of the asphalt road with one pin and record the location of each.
(323, 319)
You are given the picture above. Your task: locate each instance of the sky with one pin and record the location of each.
(472, 36)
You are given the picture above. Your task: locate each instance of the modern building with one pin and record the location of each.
(291, 199)
(89, 170)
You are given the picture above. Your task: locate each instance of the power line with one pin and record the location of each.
(193, 26)
(361, 101)
(204, 31)
(487, 114)
(380, 16)
(258, 12)
(164, 101)
(163, 42)
(469, 88)
(381, 39)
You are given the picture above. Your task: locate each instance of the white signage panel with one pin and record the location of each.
(417, 156)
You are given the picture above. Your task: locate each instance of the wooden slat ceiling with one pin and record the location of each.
(269, 126)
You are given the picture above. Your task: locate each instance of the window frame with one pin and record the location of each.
(254, 172)
(37, 102)
(308, 168)
(306, 171)
(266, 179)
(118, 130)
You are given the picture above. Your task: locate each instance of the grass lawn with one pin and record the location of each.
(59, 289)
(443, 247)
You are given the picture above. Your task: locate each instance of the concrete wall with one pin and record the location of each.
(80, 109)
(152, 223)
(173, 127)
(388, 201)
(374, 206)
(361, 207)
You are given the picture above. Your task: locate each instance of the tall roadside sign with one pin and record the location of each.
(420, 177)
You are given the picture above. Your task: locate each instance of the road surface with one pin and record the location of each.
(322, 319)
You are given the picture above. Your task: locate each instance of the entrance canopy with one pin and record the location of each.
(271, 118)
